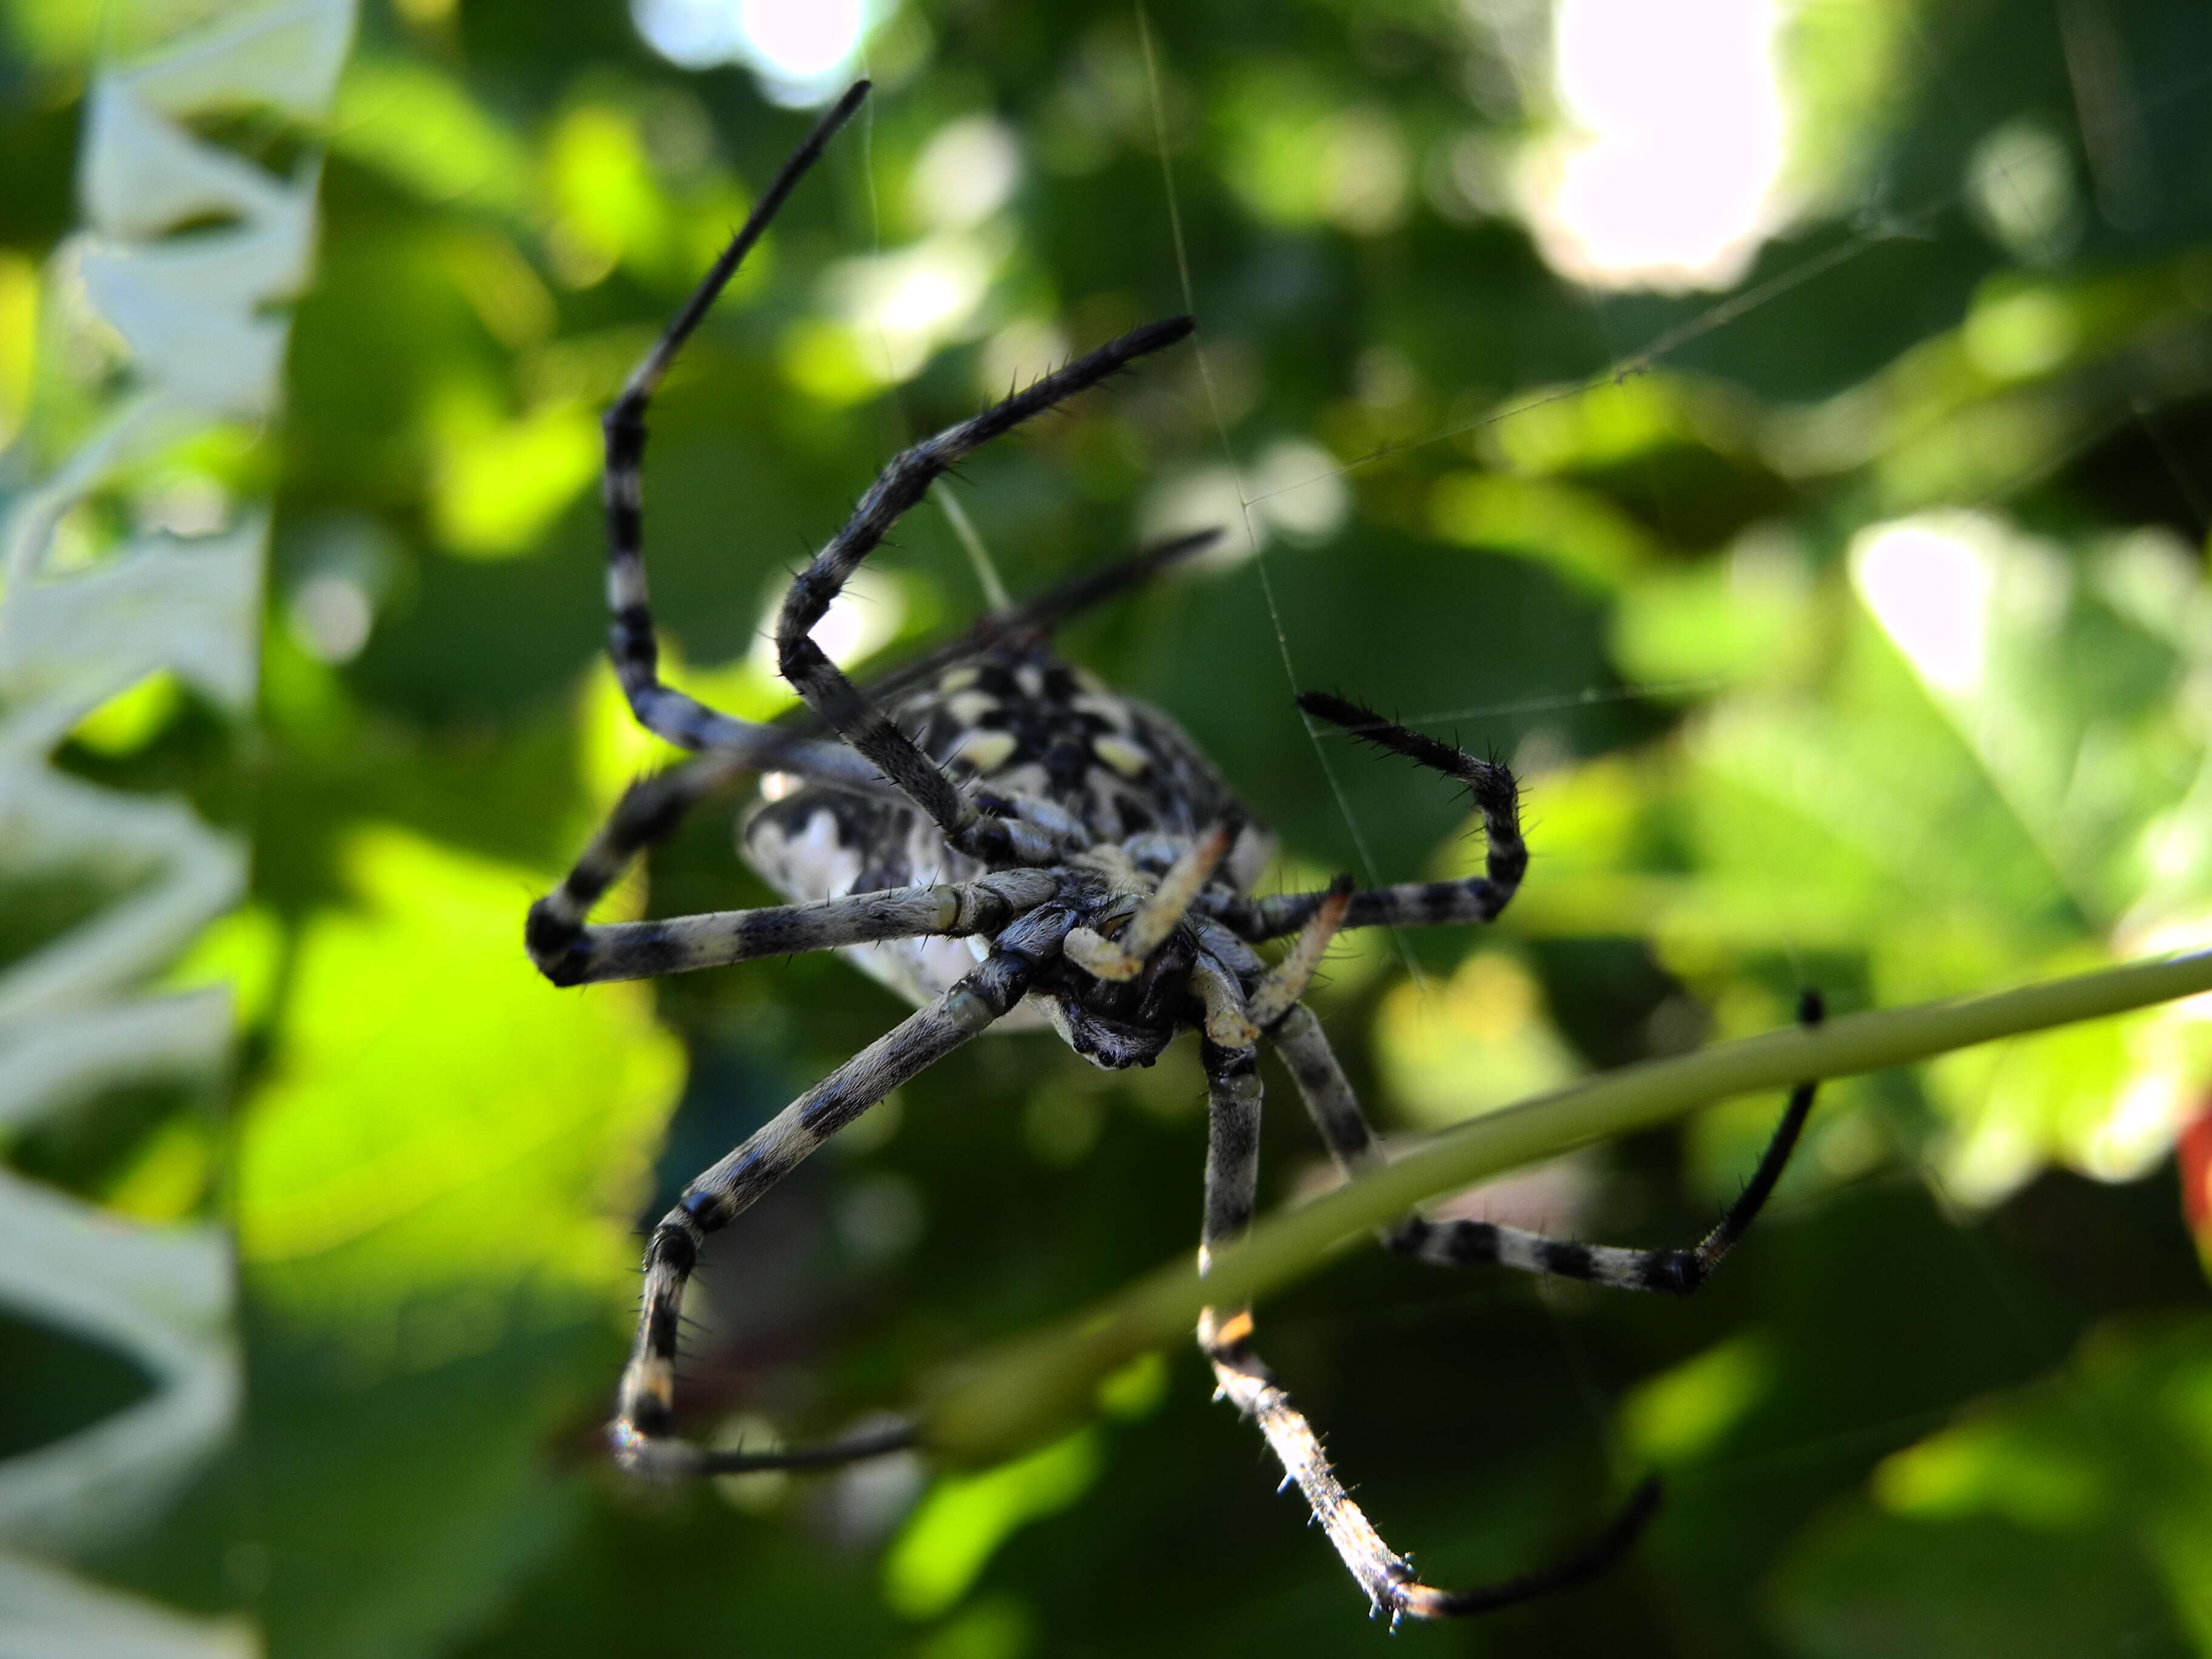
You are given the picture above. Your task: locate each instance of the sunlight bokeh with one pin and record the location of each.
(1665, 176)
(803, 54)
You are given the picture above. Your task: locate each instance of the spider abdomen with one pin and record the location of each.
(1023, 725)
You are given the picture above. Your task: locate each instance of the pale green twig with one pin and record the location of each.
(1016, 1395)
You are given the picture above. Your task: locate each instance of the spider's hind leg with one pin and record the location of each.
(1335, 1110)
(1387, 1577)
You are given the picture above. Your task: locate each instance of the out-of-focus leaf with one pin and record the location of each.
(1481, 1040)
(420, 128)
(953, 1532)
(46, 1614)
(435, 1201)
(499, 483)
(2072, 1516)
(1999, 774)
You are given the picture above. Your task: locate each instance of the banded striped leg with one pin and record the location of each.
(1344, 1129)
(646, 950)
(1037, 616)
(1386, 1577)
(902, 486)
(682, 719)
(645, 1414)
(1415, 903)
(647, 813)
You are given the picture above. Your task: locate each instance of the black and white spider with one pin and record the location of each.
(1005, 841)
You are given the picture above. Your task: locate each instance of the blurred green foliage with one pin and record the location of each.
(1851, 628)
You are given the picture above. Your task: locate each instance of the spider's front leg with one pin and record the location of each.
(643, 1429)
(569, 951)
(674, 715)
(902, 485)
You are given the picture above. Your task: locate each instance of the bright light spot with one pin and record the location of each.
(1026, 350)
(902, 306)
(965, 173)
(1360, 172)
(2140, 1129)
(498, 483)
(330, 617)
(801, 49)
(1207, 499)
(1481, 1041)
(1929, 582)
(1668, 182)
(864, 616)
(2019, 182)
(1298, 493)
(866, 1501)
(801, 40)
(1299, 488)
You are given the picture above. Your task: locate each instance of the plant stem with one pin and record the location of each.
(1015, 1396)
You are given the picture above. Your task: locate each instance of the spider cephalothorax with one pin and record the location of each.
(1001, 838)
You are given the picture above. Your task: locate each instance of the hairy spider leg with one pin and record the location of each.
(715, 938)
(568, 952)
(1344, 1129)
(682, 719)
(1036, 617)
(901, 486)
(642, 1431)
(1474, 899)
(1233, 1099)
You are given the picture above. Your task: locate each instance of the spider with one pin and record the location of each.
(1005, 841)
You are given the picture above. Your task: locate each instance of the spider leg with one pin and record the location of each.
(645, 1412)
(1344, 1129)
(1231, 1181)
(902, 485)
(647, 813)
(1415, 903)
(1281, 986)
(714, 939)
(828, 1455)
(1161, 912)
(670, 714)
(1033, 618)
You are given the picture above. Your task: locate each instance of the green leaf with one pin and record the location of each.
(436, 1195)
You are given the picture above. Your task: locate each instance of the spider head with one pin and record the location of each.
(1116, 1023)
